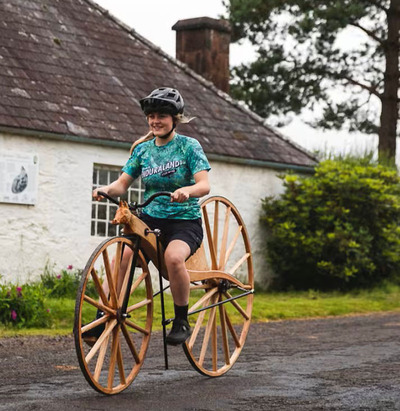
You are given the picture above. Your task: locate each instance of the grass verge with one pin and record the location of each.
(267, 307)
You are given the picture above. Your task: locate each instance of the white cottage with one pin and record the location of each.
(71, 76)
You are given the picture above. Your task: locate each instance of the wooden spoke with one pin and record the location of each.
(214, 344)
(110, 280)
(215, 231)
(225, 344)
(238, 264)
(206, 297)
(117, 260)
(139, 280)
(99, 287)
(113, 359)
(120, 363)
(210, 240)
(232, 331)
(222, 253)
(237, 306)
(98, 305)
(109, 327)
(100, 359)
(125, 282)
(139, 305)
(199, 322)
(95, 323)
(130, 343)
(136, 327)
(232, 244)
(207, 335)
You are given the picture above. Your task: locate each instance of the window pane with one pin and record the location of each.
(113, 210)
(101, 229)
(93, 228)
(93, 211)
(112, 230)
(102, 211)
(103, 177)
(94, 176)
(114, 176)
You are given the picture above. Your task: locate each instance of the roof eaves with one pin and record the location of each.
(201, 79)
(261, 163)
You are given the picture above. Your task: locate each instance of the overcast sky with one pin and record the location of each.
(153, 20)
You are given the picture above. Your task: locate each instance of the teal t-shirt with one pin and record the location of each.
(167, 168)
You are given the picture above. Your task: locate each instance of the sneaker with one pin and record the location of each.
(91, 336)
(179, 333)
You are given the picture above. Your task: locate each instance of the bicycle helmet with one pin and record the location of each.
(163, 100)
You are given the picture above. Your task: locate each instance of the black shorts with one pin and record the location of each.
(189, 231)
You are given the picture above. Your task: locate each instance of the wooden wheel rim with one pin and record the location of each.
(119, 355)
(216, 343)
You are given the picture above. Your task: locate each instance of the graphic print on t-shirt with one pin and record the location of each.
(164, 170)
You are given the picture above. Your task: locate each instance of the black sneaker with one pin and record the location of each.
(179, 333)
(91, 336)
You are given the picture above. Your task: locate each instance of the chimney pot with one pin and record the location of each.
(203, 44)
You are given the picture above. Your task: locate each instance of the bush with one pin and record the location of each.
(337, 229)
(65, 283)
(23, 306)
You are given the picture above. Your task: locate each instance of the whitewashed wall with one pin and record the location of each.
(57, 228)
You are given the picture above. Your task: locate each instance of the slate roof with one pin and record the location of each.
(69, 68)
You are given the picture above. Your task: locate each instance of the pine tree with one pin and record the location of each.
(302, 63)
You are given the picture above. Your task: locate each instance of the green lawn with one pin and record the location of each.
(267, 307)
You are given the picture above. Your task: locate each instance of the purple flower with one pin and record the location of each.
(69, 267)
(59, 276)
(19, 291)
(13, 315)
(48, 310)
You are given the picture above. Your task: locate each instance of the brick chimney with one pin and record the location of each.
(203, 44)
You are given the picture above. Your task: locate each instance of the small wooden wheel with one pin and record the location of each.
(112, 361)
(221, 272)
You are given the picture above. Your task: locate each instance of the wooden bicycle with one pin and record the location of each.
(221, 297)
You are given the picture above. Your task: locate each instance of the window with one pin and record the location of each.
(103, 211)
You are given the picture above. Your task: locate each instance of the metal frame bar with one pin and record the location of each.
(222, 302)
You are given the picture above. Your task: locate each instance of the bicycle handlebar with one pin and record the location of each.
(134, 205)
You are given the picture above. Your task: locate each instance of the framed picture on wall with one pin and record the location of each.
(19, 178)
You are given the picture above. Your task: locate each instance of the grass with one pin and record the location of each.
(267, 307)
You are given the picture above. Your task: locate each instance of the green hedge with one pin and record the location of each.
(336, 229)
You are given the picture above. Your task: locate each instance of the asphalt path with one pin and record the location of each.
(341, 363)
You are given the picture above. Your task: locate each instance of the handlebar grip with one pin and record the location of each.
(105, 195)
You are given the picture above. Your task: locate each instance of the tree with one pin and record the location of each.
(301, 59)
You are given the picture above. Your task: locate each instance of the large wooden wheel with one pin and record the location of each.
(112, 363)
(221, 271)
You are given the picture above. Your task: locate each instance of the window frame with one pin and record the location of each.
(104, 174)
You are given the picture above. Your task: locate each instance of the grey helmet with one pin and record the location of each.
(163, 100)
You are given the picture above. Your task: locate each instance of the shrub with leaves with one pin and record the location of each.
(64, 284)
(336, 229)
(23, 306)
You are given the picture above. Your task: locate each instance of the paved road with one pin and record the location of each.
(348, 363)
